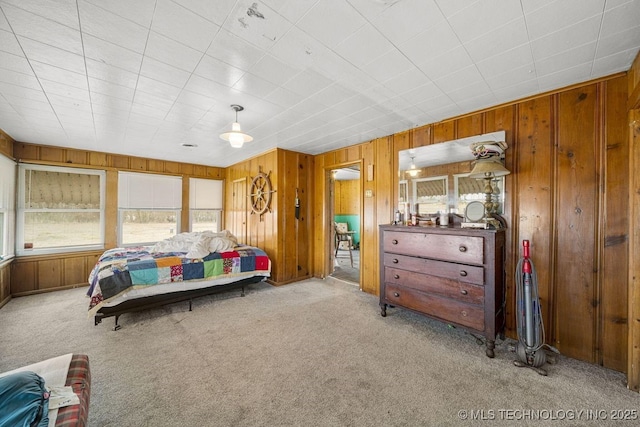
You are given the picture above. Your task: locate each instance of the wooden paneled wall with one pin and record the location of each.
(32, 274)
(567, 153)
(633, 303)
(347, 197)
(5, 282)
(285, 238)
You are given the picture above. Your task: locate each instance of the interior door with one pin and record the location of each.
(239, 213)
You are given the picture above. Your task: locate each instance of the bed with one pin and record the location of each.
(184, 267)
(70, 371)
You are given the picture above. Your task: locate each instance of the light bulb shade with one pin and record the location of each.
(488, 168)
(236, 137)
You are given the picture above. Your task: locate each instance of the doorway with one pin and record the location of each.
(345, 216)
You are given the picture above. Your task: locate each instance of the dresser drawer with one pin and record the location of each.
(461, 272)
(448, 247)
(468, 315)
(449, 288)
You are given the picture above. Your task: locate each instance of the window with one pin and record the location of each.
(471, 189)
(431, 195)
(59, 209)
(7, 206)
(205, 204)
(149, 208)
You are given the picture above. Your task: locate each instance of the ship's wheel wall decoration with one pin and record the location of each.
(260, 193)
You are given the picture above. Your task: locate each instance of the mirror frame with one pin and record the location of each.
(443, 153)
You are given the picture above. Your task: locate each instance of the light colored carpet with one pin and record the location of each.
(312, 353)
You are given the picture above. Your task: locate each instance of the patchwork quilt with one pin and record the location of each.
(122, 269)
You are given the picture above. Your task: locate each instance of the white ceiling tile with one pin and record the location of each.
(112, 28)
(497, 41)
(407, 81)
(530, 5)
(456, 59)
(260, 30)
(9, 43)
(113, 90)
(430, 44)
(250, 83)
(41, 52)
(392, 62)
(363, 45)
(59, 89)
(17, 63)
(163, 72)
(307, 83)
(622, 41)
(474, 90)
(506, 61)
(218, 71)
(214, 11)
(46, 72)
(183, 25)
(561, 14)
(461, 77)
(331, 22)
(102, 71)
(234, 51)
(4, 24)
(451, 7)
(196, 100)
(419, 93)
(292, 10)
(208, 87)
(578, 55)
(482, 17)
(159, 89)
(511, 77)
(405, 19)
(9, 90)
(28, 81)
(273, 70)
(620, 61)
(171, 52)
(29, 107)
(621, 18)
(44, 30)
(312, 75)
(138, 11)
(566, 38)
(332, 94)
(111, 54)
(578, 73)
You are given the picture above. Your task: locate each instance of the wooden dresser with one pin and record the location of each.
(454, 275)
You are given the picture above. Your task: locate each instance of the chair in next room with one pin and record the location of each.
(343, 238)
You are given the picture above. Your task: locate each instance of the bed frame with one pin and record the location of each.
(144, 303)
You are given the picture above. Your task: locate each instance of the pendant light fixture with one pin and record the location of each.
(236, 137)
(413, 171)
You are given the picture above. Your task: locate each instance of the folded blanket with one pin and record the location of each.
(197, 244)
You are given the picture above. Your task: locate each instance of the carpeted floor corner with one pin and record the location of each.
(312, 353)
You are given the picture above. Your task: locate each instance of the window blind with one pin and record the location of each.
(205, 193)
(149, 191)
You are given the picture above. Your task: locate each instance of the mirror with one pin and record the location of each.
(434, 178)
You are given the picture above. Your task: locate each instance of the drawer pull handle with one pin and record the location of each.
(394, 241)
(462, 248)
(464, 292)
(395, 276)
(395, 294)
(464, 313)
(395, 261)
(463, 273)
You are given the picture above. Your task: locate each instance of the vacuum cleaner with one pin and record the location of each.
(529, 349)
